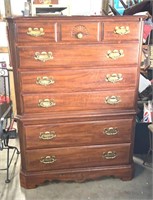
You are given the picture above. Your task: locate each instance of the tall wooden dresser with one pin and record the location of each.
(76, 81)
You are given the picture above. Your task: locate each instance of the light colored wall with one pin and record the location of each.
(3, 42)
(74, 7)
(84, 7)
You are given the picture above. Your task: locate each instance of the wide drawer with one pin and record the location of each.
(78, 80)
(51, 56)
(79, 134)
(75, 157)
(79, 101)
(121, 31)
(36, 32)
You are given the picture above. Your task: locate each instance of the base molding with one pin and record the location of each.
(31, 180)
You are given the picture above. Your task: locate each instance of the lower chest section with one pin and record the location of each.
(77, 143)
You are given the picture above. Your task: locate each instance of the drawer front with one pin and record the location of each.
(79, 134)
(80, 31)
(81, 55)
(75, 157)
(81, 102)
(78, 80)
(121, 31)
(76, 31)
(36, 32)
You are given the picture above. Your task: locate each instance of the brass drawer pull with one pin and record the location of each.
(46, 103)
(110, 155)
(113, 78)
(79, 31)
(115, 54)
(48, 159)
(112, 100)
(47, 135)
(35, 32)
(44, 81)
(110, 131)
(79, 35)
(43, 56)
(122, 30)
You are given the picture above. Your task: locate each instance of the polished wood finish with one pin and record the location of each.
(61, 54)
(76, 81)
(91, 133)
(81, 80)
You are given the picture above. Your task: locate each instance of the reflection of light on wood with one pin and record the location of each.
(12, 90)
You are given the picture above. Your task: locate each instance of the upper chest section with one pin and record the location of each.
(76, 30)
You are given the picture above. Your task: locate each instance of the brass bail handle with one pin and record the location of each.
(111, 131)
(115, 54)
(112, 100)
(109, 155)
(122, 30)
(48, 159)
(43, 56)
(45, 81)
(114, 78)
(46, 103)
(47, 135)
(35, 32)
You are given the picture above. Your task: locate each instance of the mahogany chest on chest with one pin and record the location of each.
(76, 81)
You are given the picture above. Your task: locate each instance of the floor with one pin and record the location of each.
(104, 189)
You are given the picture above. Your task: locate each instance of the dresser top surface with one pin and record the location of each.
(67, 18)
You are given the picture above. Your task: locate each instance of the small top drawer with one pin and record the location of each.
(80, 31)
(58, 31)
(121, 31)
(36, 32)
